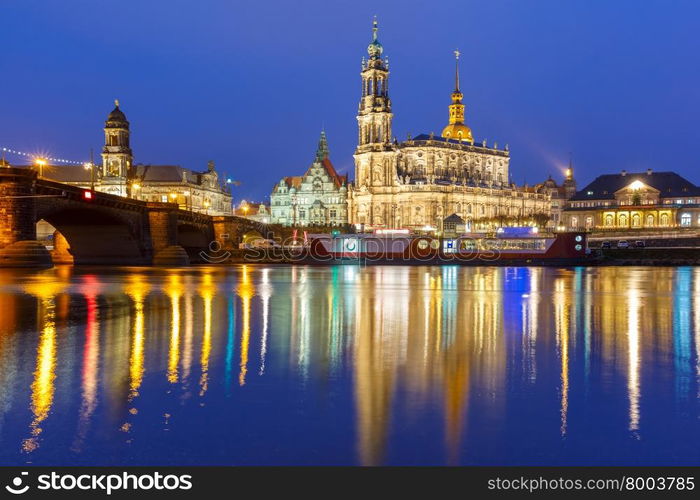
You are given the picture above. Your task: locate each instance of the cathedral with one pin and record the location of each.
(417, 183)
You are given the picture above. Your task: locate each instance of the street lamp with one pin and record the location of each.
(206, 206)
(188, 198)
(40, 163)
(89, 166)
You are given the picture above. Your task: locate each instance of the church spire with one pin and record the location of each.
(322, 150)
(375, 49)
(374, 113)
(456, 129)
(457, 54)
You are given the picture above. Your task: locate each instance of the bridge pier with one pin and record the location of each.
(163, 228)
(18, 244)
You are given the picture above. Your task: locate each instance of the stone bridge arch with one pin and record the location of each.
(230, 230)
(95, 234)
(194, 233)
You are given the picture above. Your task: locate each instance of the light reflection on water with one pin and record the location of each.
(350, 365)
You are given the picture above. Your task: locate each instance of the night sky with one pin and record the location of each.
(250, 84)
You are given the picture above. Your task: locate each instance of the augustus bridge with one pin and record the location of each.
(98, 228)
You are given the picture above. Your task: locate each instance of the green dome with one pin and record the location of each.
(375, 49)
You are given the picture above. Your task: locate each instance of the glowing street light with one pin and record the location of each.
(40, 163)
(91, 167)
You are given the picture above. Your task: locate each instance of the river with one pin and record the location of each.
(270, 365)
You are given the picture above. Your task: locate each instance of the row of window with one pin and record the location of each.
(302, 200)
(635, 220)
(651, 201)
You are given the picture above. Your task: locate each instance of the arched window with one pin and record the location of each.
(663, 220)
(685, 220)
(636, 220)
(609, 220)
(622, 221)
(650, 220)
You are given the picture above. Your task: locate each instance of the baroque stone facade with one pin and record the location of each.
(417, 183)
(317, 198)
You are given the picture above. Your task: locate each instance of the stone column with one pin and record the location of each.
(18, 245)
(162, 223)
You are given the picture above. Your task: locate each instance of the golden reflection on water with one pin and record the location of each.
(561, 319)
(43, 386)
(206, 291)
(174, 290)
(453, 340)
(246, 290)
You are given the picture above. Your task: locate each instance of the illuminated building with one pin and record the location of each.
(635, 201)
(559, 194)
(198, 191)
(416, 183)
(317, 198)
(254, 211)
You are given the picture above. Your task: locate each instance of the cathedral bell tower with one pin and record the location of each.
(116, 154)
(374, 113)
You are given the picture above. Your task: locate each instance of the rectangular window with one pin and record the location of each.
(164, 198)
(333, 214)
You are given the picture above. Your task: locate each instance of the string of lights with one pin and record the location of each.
(34, 156)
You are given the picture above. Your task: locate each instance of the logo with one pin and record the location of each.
(16, 488)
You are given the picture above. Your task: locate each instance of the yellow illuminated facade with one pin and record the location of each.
(651, 200)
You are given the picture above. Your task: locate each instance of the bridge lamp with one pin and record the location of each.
(40, 163)
(87, 195)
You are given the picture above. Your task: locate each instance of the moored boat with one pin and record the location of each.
(506, 247)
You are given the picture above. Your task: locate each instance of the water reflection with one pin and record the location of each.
(358, 365)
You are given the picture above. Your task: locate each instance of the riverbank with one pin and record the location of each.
(648, 257)
(598, 257)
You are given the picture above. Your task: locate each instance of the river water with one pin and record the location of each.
(268, 365)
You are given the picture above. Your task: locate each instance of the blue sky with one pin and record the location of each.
(250, 84)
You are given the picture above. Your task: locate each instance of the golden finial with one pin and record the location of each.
(116, 102)
(457, 53)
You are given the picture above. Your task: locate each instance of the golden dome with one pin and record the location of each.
(458, 131)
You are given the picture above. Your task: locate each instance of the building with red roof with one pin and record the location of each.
(317, 198)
